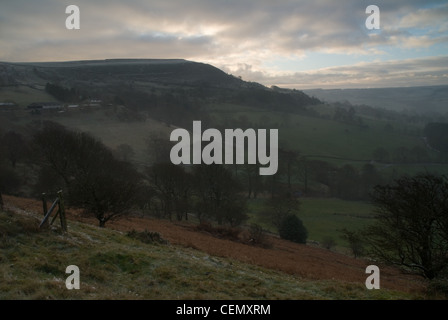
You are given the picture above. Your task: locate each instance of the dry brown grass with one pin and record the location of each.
(297, 259)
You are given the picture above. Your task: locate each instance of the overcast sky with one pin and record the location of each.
(290, 43)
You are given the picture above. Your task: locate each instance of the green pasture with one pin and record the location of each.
(323, 217)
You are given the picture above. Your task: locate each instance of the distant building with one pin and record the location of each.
(45, 106)
(7, 106)
(93, 103)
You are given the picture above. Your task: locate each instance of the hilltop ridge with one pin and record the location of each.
(108, 71)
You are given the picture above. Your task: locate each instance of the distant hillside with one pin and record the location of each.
(116, 71)
(420, 100)
(107, 79)
(171, 91)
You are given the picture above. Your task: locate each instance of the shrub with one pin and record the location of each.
(328, 242)
(147, 236)
(292, 229)
(355, 242)
(258, 237)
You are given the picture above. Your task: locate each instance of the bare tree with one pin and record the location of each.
(173, 188)
(280, 206)
(411, 228)
(218, 195)
(354, 239)
(94, 179)
(159, 148)
(14, 146)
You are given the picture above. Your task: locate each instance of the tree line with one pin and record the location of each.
(411, 212)
(106, 185)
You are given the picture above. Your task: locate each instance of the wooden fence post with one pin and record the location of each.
(56, 215)
(44, 205)
(49, 213)
(62, 211)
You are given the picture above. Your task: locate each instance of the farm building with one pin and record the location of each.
(8, 106)
(45, 106)
(93, 103)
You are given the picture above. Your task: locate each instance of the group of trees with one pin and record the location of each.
(63, 94)
(103, 185)
(177, 107)
(86, 169)
(209, 192)
(411, 220)
(305, 176)
(13, 148)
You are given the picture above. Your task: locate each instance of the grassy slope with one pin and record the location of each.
(23, 95)
(324, 217)
(326, 137)
(113, 132)
(115, 266)
(306, 134)
(320, 138)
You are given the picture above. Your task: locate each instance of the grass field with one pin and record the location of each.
(326, 218)
(113, 132)
(115, 266)
(24, 95)
(323, 217)
(101, 123)
(319, 136)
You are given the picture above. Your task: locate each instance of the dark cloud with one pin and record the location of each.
(227, 33)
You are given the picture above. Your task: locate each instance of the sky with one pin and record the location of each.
(288, 43)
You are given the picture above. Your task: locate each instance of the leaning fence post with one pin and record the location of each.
(55, 216)
(62, 211)
(44, 204)
(49, 213)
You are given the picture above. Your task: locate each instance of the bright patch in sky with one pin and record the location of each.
(294, 43)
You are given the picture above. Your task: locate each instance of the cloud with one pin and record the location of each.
(433, 18)
(231, 34)
(397, 73)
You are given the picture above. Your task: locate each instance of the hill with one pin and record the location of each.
(114, 264)
(116, 78)
(413, 100)
(331, 154)
(114, 72)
